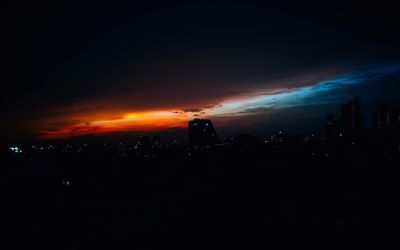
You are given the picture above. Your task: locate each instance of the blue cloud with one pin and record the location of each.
(324, 92)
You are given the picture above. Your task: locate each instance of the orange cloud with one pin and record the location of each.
(136, 121)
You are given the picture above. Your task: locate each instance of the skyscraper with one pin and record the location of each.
(383, 117)
(351, 118)
(386, 117)
(202, 133)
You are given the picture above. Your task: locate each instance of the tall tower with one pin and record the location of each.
(351, 115)
(202, 133)
(386, 117)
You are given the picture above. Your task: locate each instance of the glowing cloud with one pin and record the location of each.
(139, 121)
(303, 96)
(319, 93)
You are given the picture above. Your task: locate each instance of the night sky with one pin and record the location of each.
(105, 68)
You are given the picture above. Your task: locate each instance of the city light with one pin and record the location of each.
(15, 150)
(158, 120)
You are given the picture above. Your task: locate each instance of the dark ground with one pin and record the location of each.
(243, 195)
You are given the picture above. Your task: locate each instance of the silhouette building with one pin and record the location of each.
(386, 117)
(202, 133)
(351, 116)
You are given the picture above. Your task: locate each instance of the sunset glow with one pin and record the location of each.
(322, 92)
(140, 121)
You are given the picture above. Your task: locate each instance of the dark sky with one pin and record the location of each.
(68, 62)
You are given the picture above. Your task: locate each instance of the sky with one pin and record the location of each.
(104, 68)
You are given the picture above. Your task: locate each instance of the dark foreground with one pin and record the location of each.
(244, 196)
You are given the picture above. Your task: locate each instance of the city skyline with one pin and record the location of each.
(198, 124)
(152, 68)
(239, 108)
